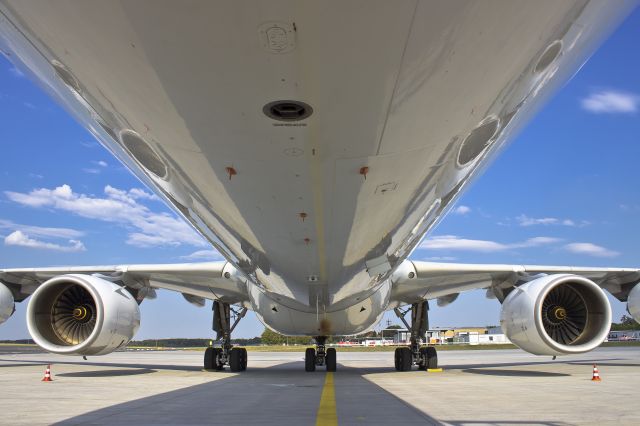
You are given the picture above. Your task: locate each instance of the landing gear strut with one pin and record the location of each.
(320, 356)
(425, 357)
(215, 358)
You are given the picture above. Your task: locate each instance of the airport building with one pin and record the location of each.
(468, 335)
(435, 336)
(623, 335)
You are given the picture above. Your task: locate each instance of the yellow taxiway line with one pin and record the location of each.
(327, 410)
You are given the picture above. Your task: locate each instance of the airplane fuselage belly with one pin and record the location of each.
(406, 100)
(355, 319)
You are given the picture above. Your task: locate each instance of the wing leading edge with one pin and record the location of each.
(196, 281)
(417, 280)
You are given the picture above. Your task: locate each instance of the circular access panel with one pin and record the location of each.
(65, 75)
(549, 55)
(476, 142)
(142, 152)
(287, 110)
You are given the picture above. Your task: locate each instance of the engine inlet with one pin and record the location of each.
(564, 314)
(73, 315)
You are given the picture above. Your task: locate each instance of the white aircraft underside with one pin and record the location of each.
(313, 144)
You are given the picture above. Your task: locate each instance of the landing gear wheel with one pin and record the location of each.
(235, 359)
(310, 359)
(217, 364)
(406, 359)
(396, 359)
(330, 359)
(432, 358)
(225, 319)
(209, 359)
(243, 364)
(422, 360)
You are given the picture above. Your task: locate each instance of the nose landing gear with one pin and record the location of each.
(425, 357)
(215, 358)
(320, 356)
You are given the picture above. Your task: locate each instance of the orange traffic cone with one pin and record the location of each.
(596, 374)
(47, 374)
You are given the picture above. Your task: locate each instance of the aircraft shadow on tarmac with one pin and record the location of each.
(108, 373)
(104, 364)
(280, 394)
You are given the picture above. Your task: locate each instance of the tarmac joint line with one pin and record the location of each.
(327, 409)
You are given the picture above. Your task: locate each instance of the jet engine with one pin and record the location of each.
(7, 304)
(82, 315)
(556, 315)
(633, 303)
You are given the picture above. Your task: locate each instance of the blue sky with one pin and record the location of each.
(566, 191)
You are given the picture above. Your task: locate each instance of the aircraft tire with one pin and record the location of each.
(243, 365)
(330, 359)
(310, 360)
(209, 359)
(405, 359)
(235, 359)
(432, 358)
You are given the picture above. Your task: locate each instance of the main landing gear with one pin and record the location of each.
(216, 358)
(425, 357)
(320, 356)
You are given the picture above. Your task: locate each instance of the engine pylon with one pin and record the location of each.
(47, 374)
(596, 374)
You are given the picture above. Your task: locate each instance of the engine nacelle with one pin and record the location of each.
(556, 315)
(7, 304)
(633, 303)
(82, 315)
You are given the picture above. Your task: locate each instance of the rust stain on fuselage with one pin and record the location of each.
(325, 327)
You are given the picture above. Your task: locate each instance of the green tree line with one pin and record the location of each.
(626, 323)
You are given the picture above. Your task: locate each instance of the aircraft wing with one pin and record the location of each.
(196, 281)
(444, 281)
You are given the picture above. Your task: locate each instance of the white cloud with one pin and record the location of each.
(610, 101)
(97, 168)
(35, 175)
(18, 238)
(461, 210)
(203, 255)
(524, 220)
(536, 242)
(452, 242)
(590, 249)
(141, 194)
(39, 231)
(147, 228)
(439, 258)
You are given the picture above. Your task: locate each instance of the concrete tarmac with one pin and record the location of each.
(502, 387)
